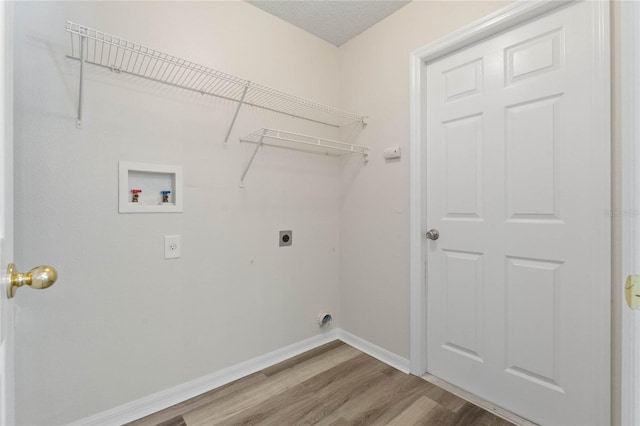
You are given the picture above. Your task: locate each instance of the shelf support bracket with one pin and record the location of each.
(83, 38)
(235, 115)
(253, 156)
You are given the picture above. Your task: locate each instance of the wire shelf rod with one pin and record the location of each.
(330, 150)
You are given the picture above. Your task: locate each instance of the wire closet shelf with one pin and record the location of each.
(298, 142)
(295, 141)
(122, 56)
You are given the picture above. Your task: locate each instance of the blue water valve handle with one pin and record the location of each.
(165, 192)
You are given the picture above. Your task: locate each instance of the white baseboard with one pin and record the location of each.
(159, 401)
(375, 351)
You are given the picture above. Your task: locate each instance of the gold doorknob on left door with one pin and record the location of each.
(632, 291)
(40, 277)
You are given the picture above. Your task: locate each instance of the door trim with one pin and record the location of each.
(7, 394)
(509, 17)
(629, 213)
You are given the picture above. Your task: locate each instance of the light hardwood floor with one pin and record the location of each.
(334, 384)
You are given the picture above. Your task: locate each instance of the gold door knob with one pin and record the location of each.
(632, 291)
(40, 277)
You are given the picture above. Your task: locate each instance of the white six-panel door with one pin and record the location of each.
(515, 188)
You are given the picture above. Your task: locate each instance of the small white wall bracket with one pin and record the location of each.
(235, 115)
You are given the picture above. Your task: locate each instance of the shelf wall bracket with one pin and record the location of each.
(253, 156)
(83, 41)
(235, 115)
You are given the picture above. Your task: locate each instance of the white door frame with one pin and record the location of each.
(511, 16)
(629, 213)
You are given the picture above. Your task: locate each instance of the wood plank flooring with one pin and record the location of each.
(334, 384)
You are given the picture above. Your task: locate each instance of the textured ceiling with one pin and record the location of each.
(331, 20)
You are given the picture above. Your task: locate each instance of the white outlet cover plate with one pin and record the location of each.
(172, 246)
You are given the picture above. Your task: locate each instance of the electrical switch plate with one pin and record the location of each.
(392, 153)
(286, 238)
(172, 246)
(632, 291)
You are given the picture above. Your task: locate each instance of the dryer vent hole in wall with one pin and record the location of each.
(324, 319)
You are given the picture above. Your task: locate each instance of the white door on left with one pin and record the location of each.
(6, 213)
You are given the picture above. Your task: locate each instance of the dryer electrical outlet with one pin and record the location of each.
(286, 238)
